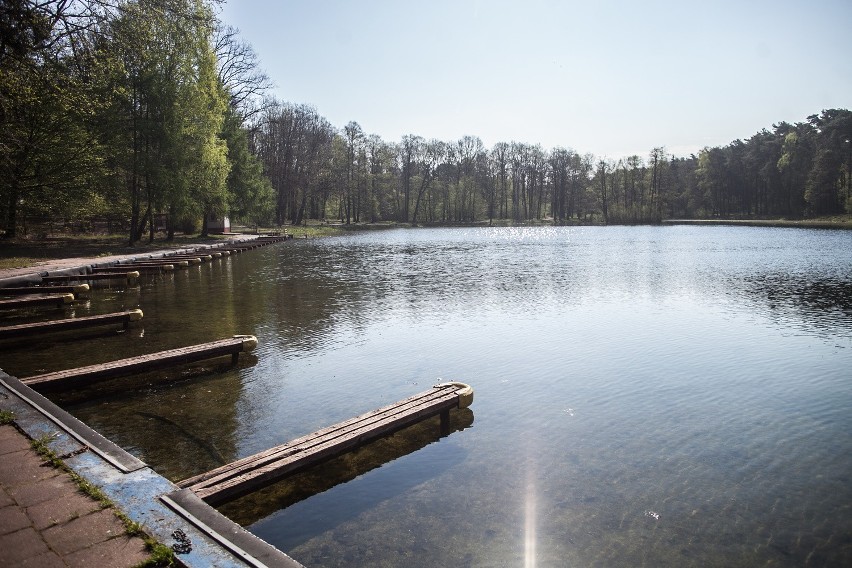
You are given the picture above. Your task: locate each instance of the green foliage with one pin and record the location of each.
(6, 417)
(250, 191)
(150, 109)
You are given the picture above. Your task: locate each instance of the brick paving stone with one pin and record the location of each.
(119, 552)
(61, 510)
(18, 546)
(47, 560)
(25, 466)
(31, 494)
(83, 532)
(5, 498)
(11, 440)
(13, 519)
(73, 529)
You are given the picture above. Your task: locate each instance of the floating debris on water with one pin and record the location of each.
(653, 515)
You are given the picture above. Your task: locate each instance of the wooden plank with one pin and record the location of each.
(177, 263)
(95, 373)
(296, 457)
(242, 247)
(190, 256)
(253, 472)
(33, 290)
(156, 268)
(27, 329)
(37, 301)
(127, 276)
(189, 259)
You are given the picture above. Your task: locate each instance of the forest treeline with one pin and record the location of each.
(321, 172)
(155, 112)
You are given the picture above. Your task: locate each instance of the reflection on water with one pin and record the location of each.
(666, 396)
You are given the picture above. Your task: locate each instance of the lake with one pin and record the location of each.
(644, 396)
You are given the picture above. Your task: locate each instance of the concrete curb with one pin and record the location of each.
(137, 490)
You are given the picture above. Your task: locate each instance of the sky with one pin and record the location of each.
(611, 78)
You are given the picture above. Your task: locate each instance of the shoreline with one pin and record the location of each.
(31, 264)
(836, 224)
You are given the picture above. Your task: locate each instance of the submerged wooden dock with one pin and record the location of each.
(49, 300)
(249, 474)
(126, 268)
(127, 276)
(29, 329)
(34, 290)
(82, 376)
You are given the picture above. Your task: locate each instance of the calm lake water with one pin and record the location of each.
(645, 396)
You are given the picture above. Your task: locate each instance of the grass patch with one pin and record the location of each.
(6, 417)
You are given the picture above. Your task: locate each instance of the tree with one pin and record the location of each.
(239, 72)
(354, 138)
(409, 150)
(249, 190)
(50, 160)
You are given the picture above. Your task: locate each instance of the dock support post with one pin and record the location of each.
(235, 357)
(445, 422)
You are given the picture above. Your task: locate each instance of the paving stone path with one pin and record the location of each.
(45, 520)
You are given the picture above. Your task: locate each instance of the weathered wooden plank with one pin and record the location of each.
(156, 268)
(27, 329)
(217, 491)
(191, 260)
(242, 247)
(36, 301)
(292, 457)
(248, 474)
(34, 290)
(176, 263)
(100, 276)
(298, 444)
(123, 367)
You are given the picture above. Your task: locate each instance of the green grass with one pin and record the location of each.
(6, 417)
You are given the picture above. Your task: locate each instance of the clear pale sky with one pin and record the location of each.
(612, 78)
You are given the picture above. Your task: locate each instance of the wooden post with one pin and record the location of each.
(445, 422)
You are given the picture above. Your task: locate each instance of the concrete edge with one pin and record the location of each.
(107, 450)
(253, 550)
(213, 539)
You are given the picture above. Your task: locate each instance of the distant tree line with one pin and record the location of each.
(142, 110)
(320, 172)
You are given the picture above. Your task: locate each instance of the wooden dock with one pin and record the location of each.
(126, 276)
(48, 300)
(131, 268)
(194, 258)
(154, 262)
(244, 476)
(28, 329)
(91, 374)
(33, 290)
